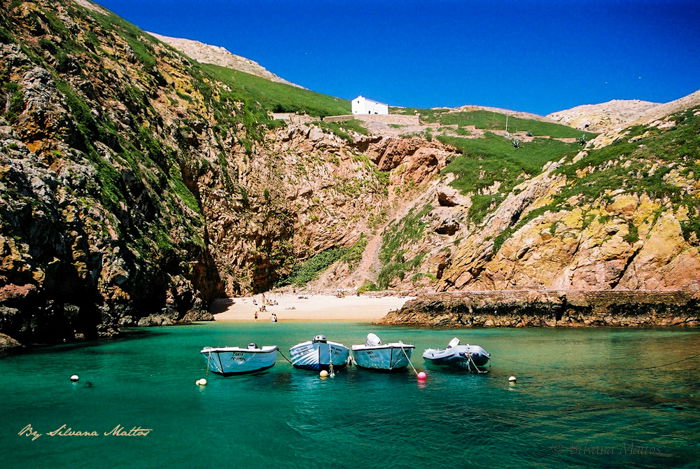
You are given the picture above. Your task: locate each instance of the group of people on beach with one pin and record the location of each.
(263, 308)
(273, 316)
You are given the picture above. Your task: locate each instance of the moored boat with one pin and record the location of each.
(466, 357)
(378, 356)
(227, 361)
(318, 354)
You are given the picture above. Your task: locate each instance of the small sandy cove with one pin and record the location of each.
(301, 307)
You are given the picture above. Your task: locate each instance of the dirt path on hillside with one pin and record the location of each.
(370, 265)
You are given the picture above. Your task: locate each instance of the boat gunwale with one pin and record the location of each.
(396, 345)
(234, 373)
(454, 349)
(310, 342)
(270, 349)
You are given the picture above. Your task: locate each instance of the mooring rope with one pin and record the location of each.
(206, 374)
(409, 360)
(283, 356)
(469, 357)
(666, 364)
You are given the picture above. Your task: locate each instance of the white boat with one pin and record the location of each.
(227, 361)
(375, 355)
(318, 354)
(466, 357)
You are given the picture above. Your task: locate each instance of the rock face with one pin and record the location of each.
(99, 223)
(622, 214)
(592, 223)
(134, 189)
(604, 116)
(217, 55)
(7, 343)
(565, 308)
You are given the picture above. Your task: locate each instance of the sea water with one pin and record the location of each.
(591, 397)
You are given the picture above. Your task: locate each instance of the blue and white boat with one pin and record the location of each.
(375, 355)
(318, 354)
(466, 357)
(227, 361)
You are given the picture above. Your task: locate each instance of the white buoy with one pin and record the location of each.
(323, 374)
(196, 383)
(512, 379)
(202, 382)
(75, 378)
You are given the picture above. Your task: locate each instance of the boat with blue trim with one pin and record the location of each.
(227, 361)
(378, 356)
(319, 354)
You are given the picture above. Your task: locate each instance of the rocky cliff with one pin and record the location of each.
(136, 185)
(604, 116)
(103, 132)
(621, 216)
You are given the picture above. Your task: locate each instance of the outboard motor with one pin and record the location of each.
(253, 345)
(320, 339)
(453, 343)
(373, 340)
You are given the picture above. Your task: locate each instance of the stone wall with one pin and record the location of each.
(386, 119)
(293, 118)
(550, 308)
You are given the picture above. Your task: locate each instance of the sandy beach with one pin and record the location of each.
(300, 307)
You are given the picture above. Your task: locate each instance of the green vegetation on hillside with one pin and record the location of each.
(495, 121)
(353, 255)
(643, 166)
(278, 97)
(140, 42)
(310, 269)
(13, 98)
(486, 161)
(342, 128)
(396, 242)
(489, 120)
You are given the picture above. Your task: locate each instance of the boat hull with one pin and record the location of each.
(232, 361)
(465, 357)
(388, 357)
(317, 356)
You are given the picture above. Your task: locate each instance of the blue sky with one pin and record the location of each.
(527, 55)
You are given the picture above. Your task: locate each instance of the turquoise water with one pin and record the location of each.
(580, 399)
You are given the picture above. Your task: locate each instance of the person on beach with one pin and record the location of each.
(273, 317)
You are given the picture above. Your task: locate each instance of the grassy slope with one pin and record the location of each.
(342, 129)
(493, 158)
(396, 242)
(278, 97)
(485, 161)
(489, 120)
(642, 166)
(309, 270)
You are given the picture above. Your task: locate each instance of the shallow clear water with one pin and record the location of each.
(581, 398)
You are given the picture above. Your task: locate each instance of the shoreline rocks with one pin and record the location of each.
(7, 344)
(550, 308)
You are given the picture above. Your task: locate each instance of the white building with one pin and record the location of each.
(362, 105)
